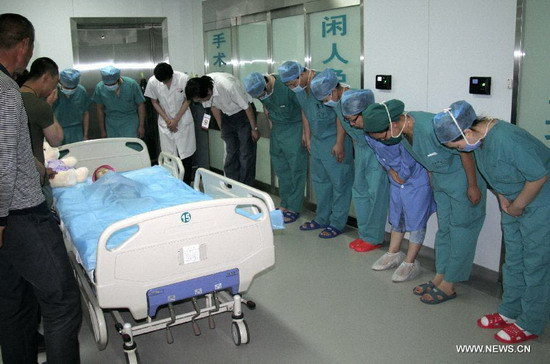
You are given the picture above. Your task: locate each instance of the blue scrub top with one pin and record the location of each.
(509, 157)
(415, 196)
(121, 114)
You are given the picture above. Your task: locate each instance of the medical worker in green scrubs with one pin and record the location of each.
(516, 165)
(71, 107)
(331, 155)
(370, 192)
(459, 193)
(288, 155)
(120, 105)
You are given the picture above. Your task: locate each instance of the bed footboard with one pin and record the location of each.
(180, 244)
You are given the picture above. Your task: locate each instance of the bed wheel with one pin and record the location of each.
(239, 330)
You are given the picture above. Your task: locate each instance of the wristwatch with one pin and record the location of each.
(255, 129)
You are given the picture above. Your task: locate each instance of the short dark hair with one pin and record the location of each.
(13, 29)
(41, 66)
(163, 72)
(198, 87)
(22, 77)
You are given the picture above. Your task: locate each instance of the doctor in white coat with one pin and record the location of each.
(176, 128)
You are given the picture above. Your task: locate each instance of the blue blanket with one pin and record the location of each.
(88, 208)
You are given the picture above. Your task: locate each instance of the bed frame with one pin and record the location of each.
(207, 252)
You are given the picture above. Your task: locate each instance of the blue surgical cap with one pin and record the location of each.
(69, 78)
(110, 75)
(290, 70)
(254, 84)
(444, 126)
(323, 83)
(355, 101)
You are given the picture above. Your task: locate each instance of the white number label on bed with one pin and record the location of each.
(190, 254)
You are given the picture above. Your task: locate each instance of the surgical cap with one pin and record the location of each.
(254, 84)
(69, 78)
(375, 117)
(110, 75)
(290, 70)
(355, 101)
(323, 83)
(444, 126)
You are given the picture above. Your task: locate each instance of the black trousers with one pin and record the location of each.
(240, 149)
(36, 278)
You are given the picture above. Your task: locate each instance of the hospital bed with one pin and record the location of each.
(205, 253)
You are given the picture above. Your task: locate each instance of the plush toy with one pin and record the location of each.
(66, 175)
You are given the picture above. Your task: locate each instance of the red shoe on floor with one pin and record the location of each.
(356, 242)
(515, 334)
(495, 321)
(363, 247)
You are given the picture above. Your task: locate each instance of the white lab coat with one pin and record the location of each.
(181, 143)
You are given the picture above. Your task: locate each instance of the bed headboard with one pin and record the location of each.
(124, 154)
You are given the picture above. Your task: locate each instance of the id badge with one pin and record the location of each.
(206, 121)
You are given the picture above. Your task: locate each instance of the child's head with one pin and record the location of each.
(100, 171)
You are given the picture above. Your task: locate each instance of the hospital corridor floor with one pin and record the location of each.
(322, 303)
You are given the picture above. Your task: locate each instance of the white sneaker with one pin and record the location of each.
(388, 260)
(406, 272)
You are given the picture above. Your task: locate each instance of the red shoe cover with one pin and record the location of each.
(517, 335)
(356, 242)
(364, 247)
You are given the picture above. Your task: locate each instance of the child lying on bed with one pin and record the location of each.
(101, 171)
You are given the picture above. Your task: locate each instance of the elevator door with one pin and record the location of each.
(133, 48)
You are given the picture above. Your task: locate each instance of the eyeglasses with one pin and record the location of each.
(352, 119)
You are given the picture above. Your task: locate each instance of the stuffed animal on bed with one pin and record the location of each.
(67, 174)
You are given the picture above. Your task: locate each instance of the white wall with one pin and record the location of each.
(51, 20)
(431, 48)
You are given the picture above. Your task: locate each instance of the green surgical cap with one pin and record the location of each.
(375, 117)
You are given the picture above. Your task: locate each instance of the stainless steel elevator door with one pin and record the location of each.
(135, 50)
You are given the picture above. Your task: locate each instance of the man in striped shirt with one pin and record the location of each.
(35, 275)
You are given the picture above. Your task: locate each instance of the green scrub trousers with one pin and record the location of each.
(332, 181)
(459, 221)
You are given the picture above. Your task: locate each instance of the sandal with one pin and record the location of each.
(290, 216)
(515, 333)
(495, 321)
(329, 233)
(438, 296)
(425, 288)
(311, 225)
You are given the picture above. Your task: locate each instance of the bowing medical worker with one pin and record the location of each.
(331, 154)
(370, 192)
(166, 88)
(71, 107)
(120, 105)
(288, 155)
(516, 165)
(459, 192)
(411, 197)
